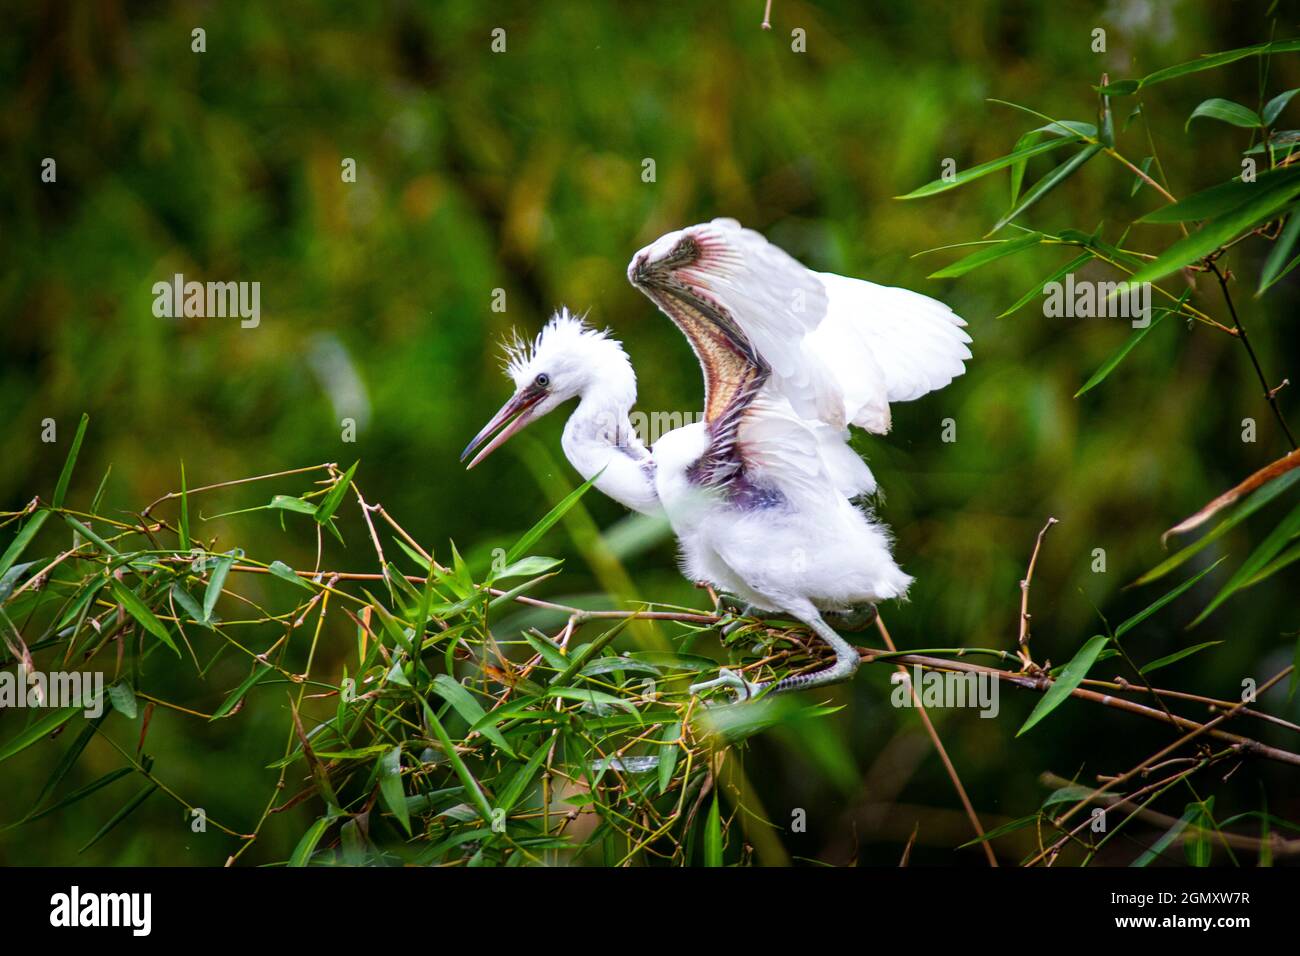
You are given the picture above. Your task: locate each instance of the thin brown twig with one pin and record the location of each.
(1022, 644)
(941, 750)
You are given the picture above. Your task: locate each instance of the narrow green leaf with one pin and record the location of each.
(463, 702)
(1037, 289)
(65, 476)
(1276, 105)
(1276, 265)
(512, 791)
(391, 791)
(1138, 181)
(1072, 675)
(21, 540)
(1173, 595)
(1175, 657)
(1257, 500)
(41, 728)
(975, 172)
(533, 534)
(1049, 182)
(287, 503)
(1126, 87)
(1018, 167)
(189, 605)
(1191, 813)
(1111, 363)
(1011, 827)
(1276, 540)
(82, 792)
(1220, 198)
(89, 535)
(129, 808)
(140, 611)
(586, 696)
(471, 785)
(307, 845)
(668, 754)
(334, 497)
(1221, 230)
(236, 695)
(984, 256)
(527, 567)
(713, 834)
(548, 649)
(216, 581)
(1225, 111)
(286, 573)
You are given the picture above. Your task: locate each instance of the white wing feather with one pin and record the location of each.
(886, 345)
(840, 350)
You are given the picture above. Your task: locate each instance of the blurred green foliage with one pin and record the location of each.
(522, 171)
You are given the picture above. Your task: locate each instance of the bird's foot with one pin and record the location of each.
(745, 690)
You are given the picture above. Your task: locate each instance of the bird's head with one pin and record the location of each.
(567, 359)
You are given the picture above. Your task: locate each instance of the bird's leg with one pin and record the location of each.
(845, 666)
(748, 611)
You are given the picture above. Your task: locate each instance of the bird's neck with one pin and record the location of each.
(599, 440)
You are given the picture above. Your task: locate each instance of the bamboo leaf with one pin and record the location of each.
(1225, 111)
(130, 807)
(713, 834)
(1112, 363)
(463, 702)
(1071, 676)
(1220, 198)
(334, 497)
(307, 845)
(216, 582)
(1127, 87)
(21, 540)
(983, 169)
(140, 611)
(984, 256)
(391, 791)
(531, 536)
(1256, 501)
(1276, 105)
(1277, 264)
(65, 476)
(1173, 595)
(41, 728)
(1276, 540)
(1037, 289)
(1049, 182)
(286, 573)
(236, 695)
(1175, 657)
(1215, 233)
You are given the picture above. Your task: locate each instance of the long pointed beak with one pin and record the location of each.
(516, 413)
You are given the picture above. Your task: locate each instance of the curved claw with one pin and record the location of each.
(745, 690)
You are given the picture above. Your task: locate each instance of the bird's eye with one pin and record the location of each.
(542, 381)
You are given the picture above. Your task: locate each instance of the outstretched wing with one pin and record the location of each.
(734, 373)
(840, 349)
(886, 345)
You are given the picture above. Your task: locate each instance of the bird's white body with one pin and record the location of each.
(764, 495)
